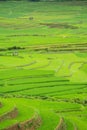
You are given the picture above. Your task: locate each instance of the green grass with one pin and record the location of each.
(16, 22)
(48, 76)
(46, 110)
(23, 111)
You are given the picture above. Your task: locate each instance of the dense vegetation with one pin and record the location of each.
(43, 65)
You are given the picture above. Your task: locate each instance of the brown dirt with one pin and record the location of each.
(31, 124)
(61, 125)
(59, 25)
(9, 115)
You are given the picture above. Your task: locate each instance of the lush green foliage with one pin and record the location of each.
(43, 63)
(24, 24)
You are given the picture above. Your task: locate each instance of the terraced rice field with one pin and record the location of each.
(43, 65)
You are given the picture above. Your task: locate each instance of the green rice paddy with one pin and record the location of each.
(43, 65)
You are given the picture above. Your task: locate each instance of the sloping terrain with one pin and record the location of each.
(43, 65)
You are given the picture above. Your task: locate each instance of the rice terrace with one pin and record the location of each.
(43, 65)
